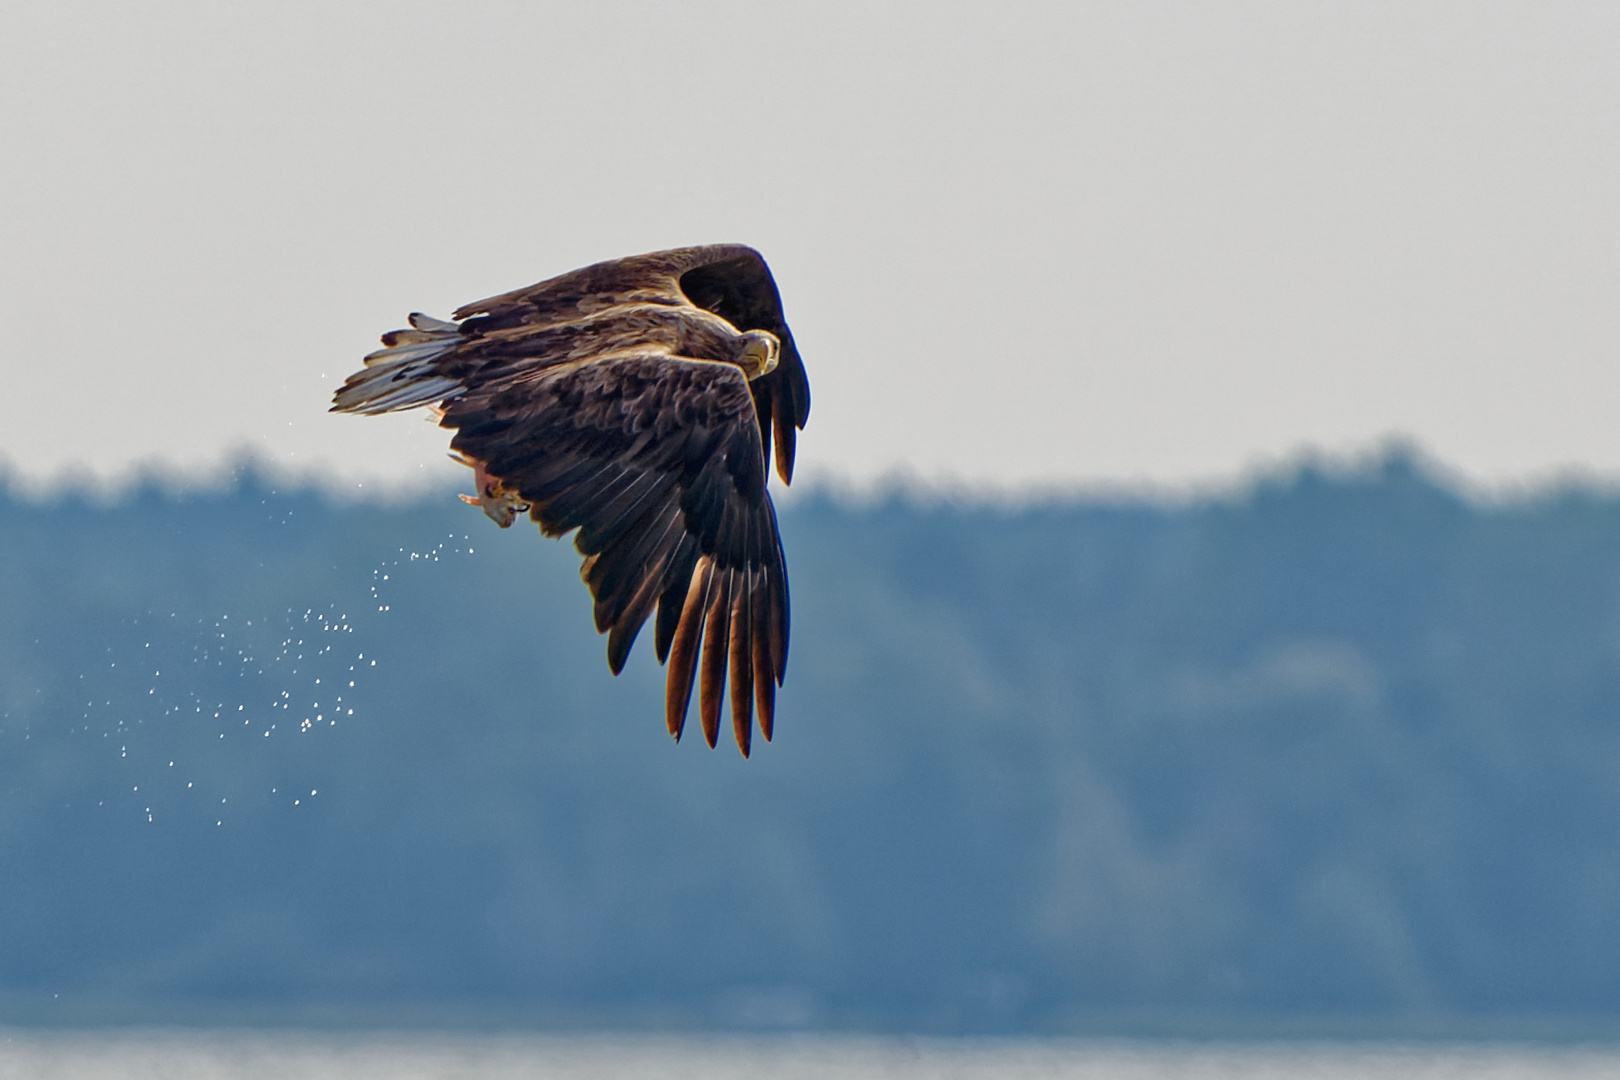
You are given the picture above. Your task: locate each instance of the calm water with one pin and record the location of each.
(259, 1056)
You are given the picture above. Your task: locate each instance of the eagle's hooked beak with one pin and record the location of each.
(762, 349)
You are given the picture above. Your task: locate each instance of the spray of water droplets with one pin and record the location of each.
(383, 575)
(200, 715)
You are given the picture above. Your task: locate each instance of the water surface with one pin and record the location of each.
(171, 1055)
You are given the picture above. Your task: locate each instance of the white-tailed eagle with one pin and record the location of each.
(633, 401)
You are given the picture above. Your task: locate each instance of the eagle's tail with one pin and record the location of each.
(406, 372)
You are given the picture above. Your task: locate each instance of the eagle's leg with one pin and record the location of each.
(499, 504)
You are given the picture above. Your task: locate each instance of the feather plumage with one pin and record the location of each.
(633, 401)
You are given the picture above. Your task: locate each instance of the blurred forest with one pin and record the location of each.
(1341, 750)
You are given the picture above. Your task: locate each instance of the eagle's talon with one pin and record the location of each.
(499, 505)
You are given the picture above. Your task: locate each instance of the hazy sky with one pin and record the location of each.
(1068, 243)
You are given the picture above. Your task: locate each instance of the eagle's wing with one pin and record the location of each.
(657, 461)
(730, 280)
(733, 282)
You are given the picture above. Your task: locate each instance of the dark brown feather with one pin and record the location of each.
(764, 683)
(742, 659)
(670, 604)
(683, 656)
(625, 615)
(712, 678)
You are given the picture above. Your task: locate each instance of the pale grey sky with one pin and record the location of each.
(1084, 243)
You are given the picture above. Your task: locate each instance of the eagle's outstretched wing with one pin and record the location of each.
(611, 400)
(656, 460)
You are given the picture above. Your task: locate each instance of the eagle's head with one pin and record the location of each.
(757, 352)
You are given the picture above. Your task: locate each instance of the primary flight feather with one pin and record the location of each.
(633, 400)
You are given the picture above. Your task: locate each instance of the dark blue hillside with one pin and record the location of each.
(1343, 752)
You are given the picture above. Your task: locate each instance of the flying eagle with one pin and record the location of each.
(632, 400)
